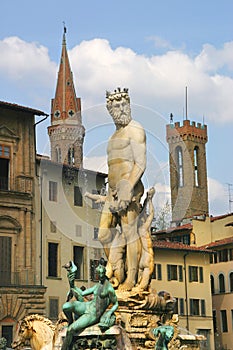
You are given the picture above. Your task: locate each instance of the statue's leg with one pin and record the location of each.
(106, 228)
(73, 307)
(68, 311)
(133, 249)
(76, 328)
(145, 279)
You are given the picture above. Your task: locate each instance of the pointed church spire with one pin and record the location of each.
(66, 131)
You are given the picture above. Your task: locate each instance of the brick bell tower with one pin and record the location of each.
(66, 131)
(188, 174)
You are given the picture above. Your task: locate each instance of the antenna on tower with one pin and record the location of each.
(186, 102)
(230, 200)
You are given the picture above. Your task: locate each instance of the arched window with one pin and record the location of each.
(231, 281)
(212, 284)
(58, 154)
(180, 170)
(196, 167)
(221, 280)
(71, 155)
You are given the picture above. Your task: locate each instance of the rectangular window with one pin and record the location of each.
(53, 308)
(193, 274)
(93, 266)
(53, 226)
(78, 230)
(79, 261)
(96, 232)
(172, 272)
(194, 307)
(157, 272)
(78, 198)
(175, 273)
(52, 259)
(215, 258)
(5, 260)
(186, 239)
(4, 167)
(53, 191)
(223, 255)
(224, 320)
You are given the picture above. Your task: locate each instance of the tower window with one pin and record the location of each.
(196, 170)
(180, 167)
(71, 156)
(58, 154)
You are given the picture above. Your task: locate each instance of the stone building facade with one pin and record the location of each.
(21, 291)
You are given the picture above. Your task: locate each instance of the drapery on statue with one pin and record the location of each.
(82, 314)
(126, 153)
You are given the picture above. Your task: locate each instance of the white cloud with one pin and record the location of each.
(157, 82)
(22, 61)
(160, 42)
(218, 197)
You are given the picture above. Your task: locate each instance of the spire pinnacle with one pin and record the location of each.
(64, 33)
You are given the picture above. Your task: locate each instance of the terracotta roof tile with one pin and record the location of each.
(218, 243)
(162, 244)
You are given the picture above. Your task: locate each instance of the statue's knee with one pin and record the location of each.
(66, 307)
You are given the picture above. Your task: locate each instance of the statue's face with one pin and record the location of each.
(101, 270)
(120, 111)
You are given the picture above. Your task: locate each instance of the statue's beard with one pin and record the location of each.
(121, 118)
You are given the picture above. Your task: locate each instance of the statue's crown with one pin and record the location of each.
(118, 94)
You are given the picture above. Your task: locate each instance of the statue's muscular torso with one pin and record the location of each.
(126, 148)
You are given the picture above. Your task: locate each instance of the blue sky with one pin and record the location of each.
(155, 48)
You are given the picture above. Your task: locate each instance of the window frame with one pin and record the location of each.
(53, 191)
(53, 257)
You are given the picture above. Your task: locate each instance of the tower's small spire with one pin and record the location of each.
(66, 131)
(64, 33)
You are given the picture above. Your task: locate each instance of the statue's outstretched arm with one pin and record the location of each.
(95, 197)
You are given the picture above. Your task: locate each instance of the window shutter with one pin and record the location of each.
(202, 307)
(181, 306)
(180, 273)
(191, 306)
(190, 273)
(201, 274)
(169, 272)
(159, 272)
